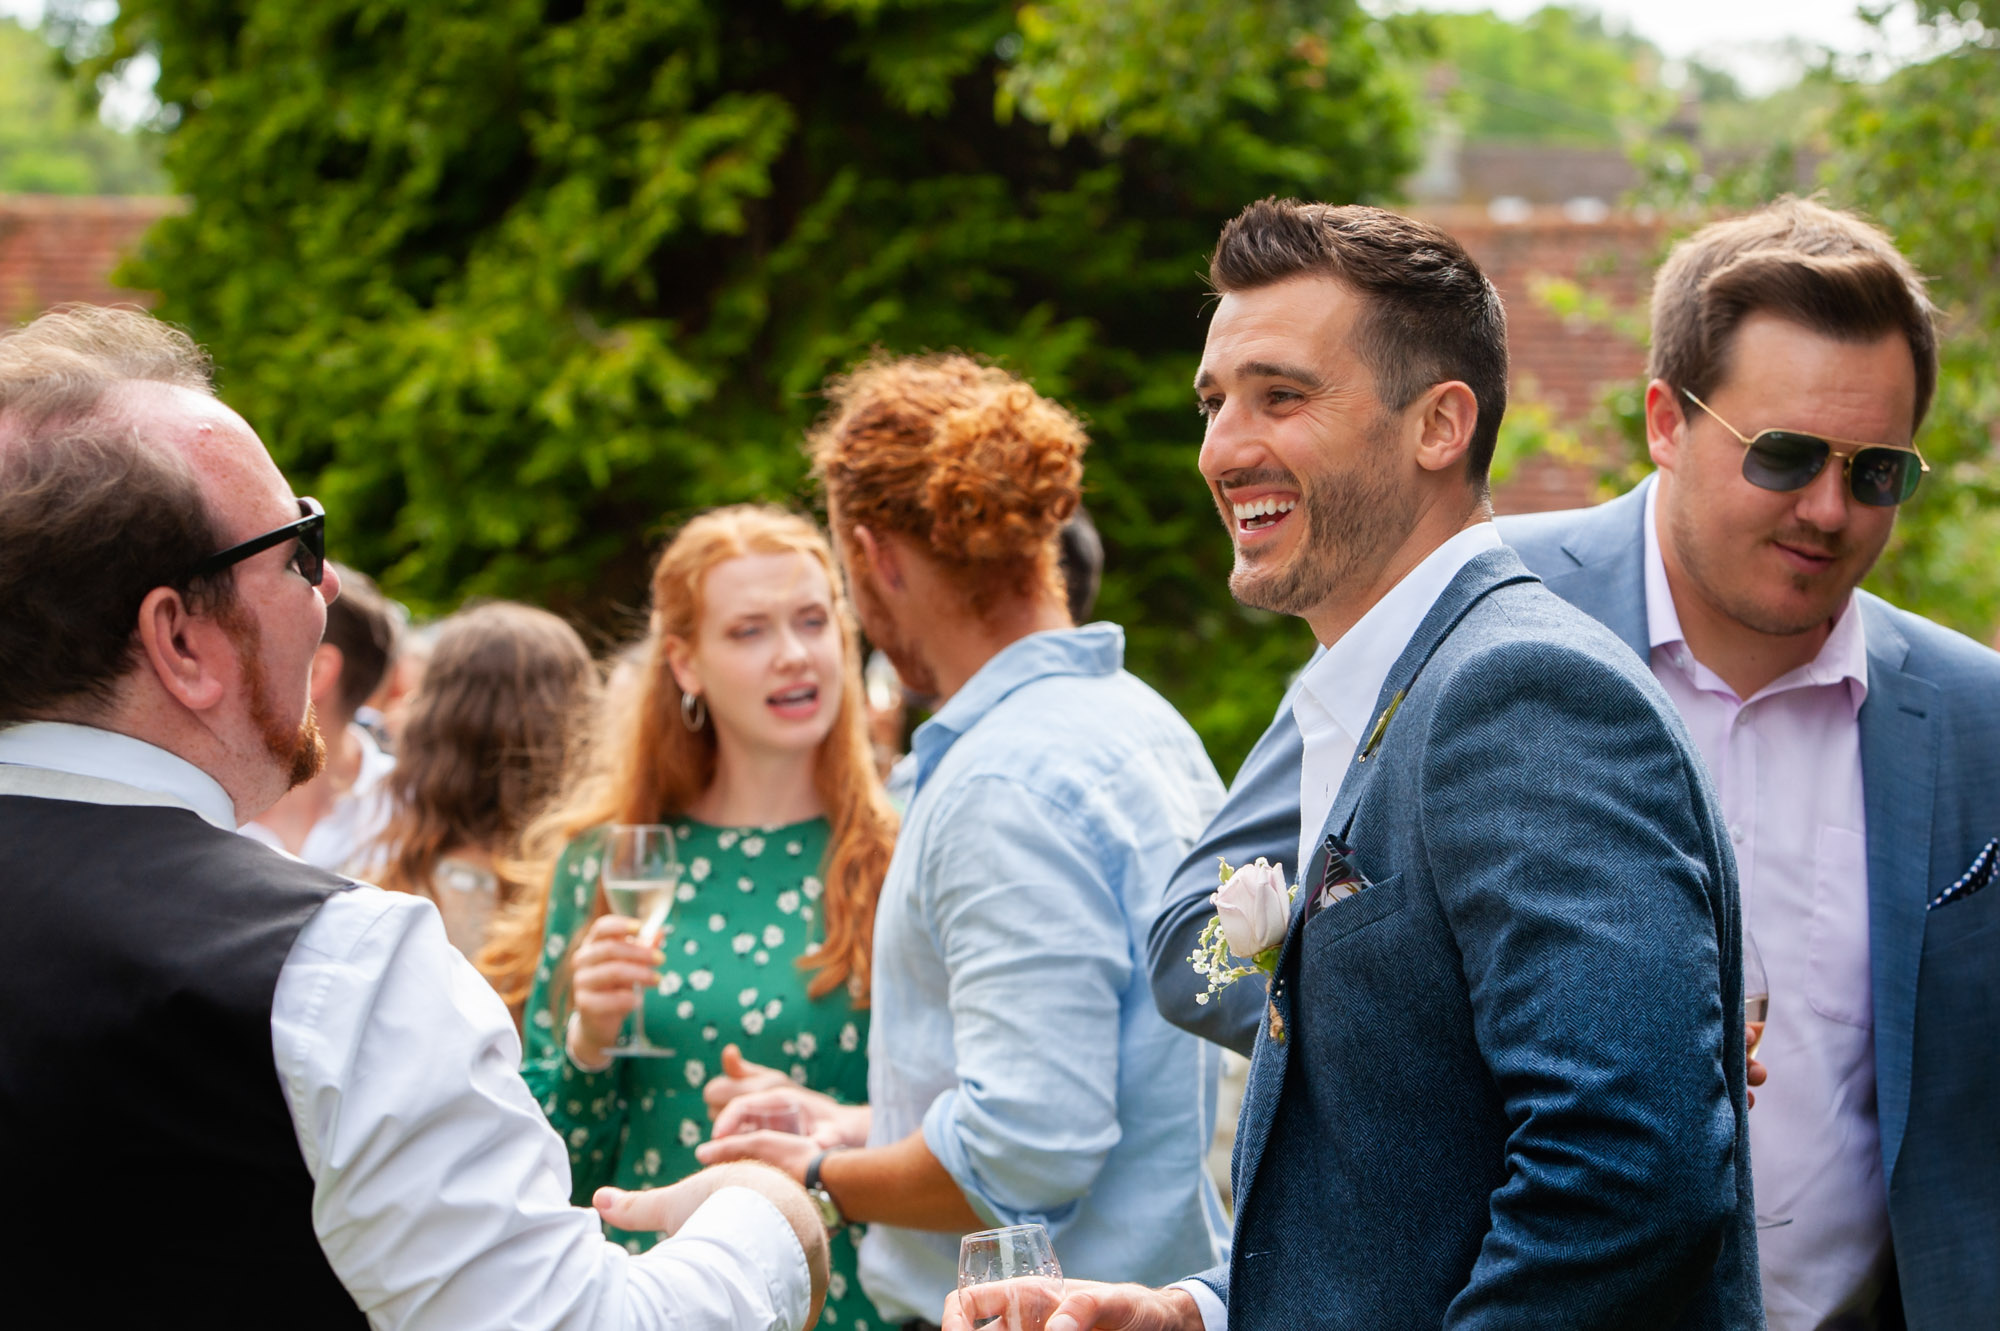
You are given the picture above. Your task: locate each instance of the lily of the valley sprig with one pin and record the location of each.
(1253, 907)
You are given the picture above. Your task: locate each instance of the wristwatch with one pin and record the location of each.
(829, 1209)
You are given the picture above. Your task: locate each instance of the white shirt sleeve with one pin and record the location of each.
(1214, 1317)
(441, 1194)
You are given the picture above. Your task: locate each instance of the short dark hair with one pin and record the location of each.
(90, 524)
(1832, 271)
(1431, 314)
(362, 624)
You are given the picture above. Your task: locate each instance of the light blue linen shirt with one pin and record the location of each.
(1013, 1020)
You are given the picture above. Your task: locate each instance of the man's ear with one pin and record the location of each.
(191, 655)
(882, 558)
(1665, 419)
(327, 664)
(1447, 418)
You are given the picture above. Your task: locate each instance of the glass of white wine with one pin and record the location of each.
(1022, 1262)
(1756, 1009)
(641, 871)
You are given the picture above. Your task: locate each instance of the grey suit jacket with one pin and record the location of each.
(1930, 753)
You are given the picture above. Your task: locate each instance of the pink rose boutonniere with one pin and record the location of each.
(1253, 908)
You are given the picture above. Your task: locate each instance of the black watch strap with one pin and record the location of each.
(829, 1209)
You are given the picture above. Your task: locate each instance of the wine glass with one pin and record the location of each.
(640, 873)
(1756, 1008)
(1022, 1258)
(773, 1118)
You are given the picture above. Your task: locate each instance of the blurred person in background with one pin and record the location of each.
(328, 820)
(382, 715)
(1080, 556)
(508, 690)
(747, 737)
(1018, 1071)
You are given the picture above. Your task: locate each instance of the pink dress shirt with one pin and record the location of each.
(1787, 767)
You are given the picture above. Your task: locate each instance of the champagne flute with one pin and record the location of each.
(1756, 1009)
(1022, 1258)
(639, 876)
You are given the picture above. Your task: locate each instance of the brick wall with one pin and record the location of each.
(1565, 364)
(56, 248)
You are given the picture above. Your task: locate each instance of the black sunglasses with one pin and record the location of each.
(1879, 475)
(309, 558)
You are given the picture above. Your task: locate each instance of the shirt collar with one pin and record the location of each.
(106, 755)
(1095, 649)
(1842, 658)
(1345, 680)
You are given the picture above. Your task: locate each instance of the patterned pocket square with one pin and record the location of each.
(1974, 878)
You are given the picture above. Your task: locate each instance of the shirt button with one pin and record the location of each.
(1736, 834)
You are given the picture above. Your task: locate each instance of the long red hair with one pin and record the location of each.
(644, 765)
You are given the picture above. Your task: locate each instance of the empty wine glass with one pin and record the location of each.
(1756, 1009)
(773, 1118)
(640, 873)
(1021, 1260)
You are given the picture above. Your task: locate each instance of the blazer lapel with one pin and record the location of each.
(1899, 756)
(1482, 574)
(1608, 583)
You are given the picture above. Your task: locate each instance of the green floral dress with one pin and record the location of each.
(748, 905)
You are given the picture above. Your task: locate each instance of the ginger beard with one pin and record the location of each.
(298, 748)
(880, 626)
(1354, 517)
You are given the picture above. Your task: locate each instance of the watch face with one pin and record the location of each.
(829, 1212)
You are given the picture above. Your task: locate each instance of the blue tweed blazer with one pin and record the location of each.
(1510, 1089)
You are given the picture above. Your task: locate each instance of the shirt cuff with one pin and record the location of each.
(747, 1224)
(1214, 1315)
(574, 1064)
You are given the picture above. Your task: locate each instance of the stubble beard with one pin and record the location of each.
(880, 626)
(1352, 521)
(1824, 599)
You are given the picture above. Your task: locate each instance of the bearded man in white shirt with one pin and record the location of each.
(295, 1086)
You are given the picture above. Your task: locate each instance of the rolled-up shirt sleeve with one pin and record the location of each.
(441, 1196)
(1028, 921)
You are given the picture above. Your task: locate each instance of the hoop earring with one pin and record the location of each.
(694, 711)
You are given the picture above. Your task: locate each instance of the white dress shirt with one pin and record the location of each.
(1335, 703)
(1334, 707)
(441, 1195)
(1787, 767)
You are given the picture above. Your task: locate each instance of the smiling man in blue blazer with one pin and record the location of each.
(1857, 748)
(1500, 1082)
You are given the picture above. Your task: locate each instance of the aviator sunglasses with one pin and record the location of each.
(1879, 475)
(309, 558)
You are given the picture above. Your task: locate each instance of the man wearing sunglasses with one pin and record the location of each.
(1855, 748)
(281, 1098)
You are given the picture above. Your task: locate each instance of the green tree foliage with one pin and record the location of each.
(1561, 75)
(49, 143)
(1920, 151)
(513, 285)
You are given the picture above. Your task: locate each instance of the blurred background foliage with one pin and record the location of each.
(517, 285)
(51, 142)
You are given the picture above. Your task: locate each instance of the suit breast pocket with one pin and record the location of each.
(1330, 924)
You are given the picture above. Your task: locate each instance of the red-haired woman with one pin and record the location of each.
(748, 737)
